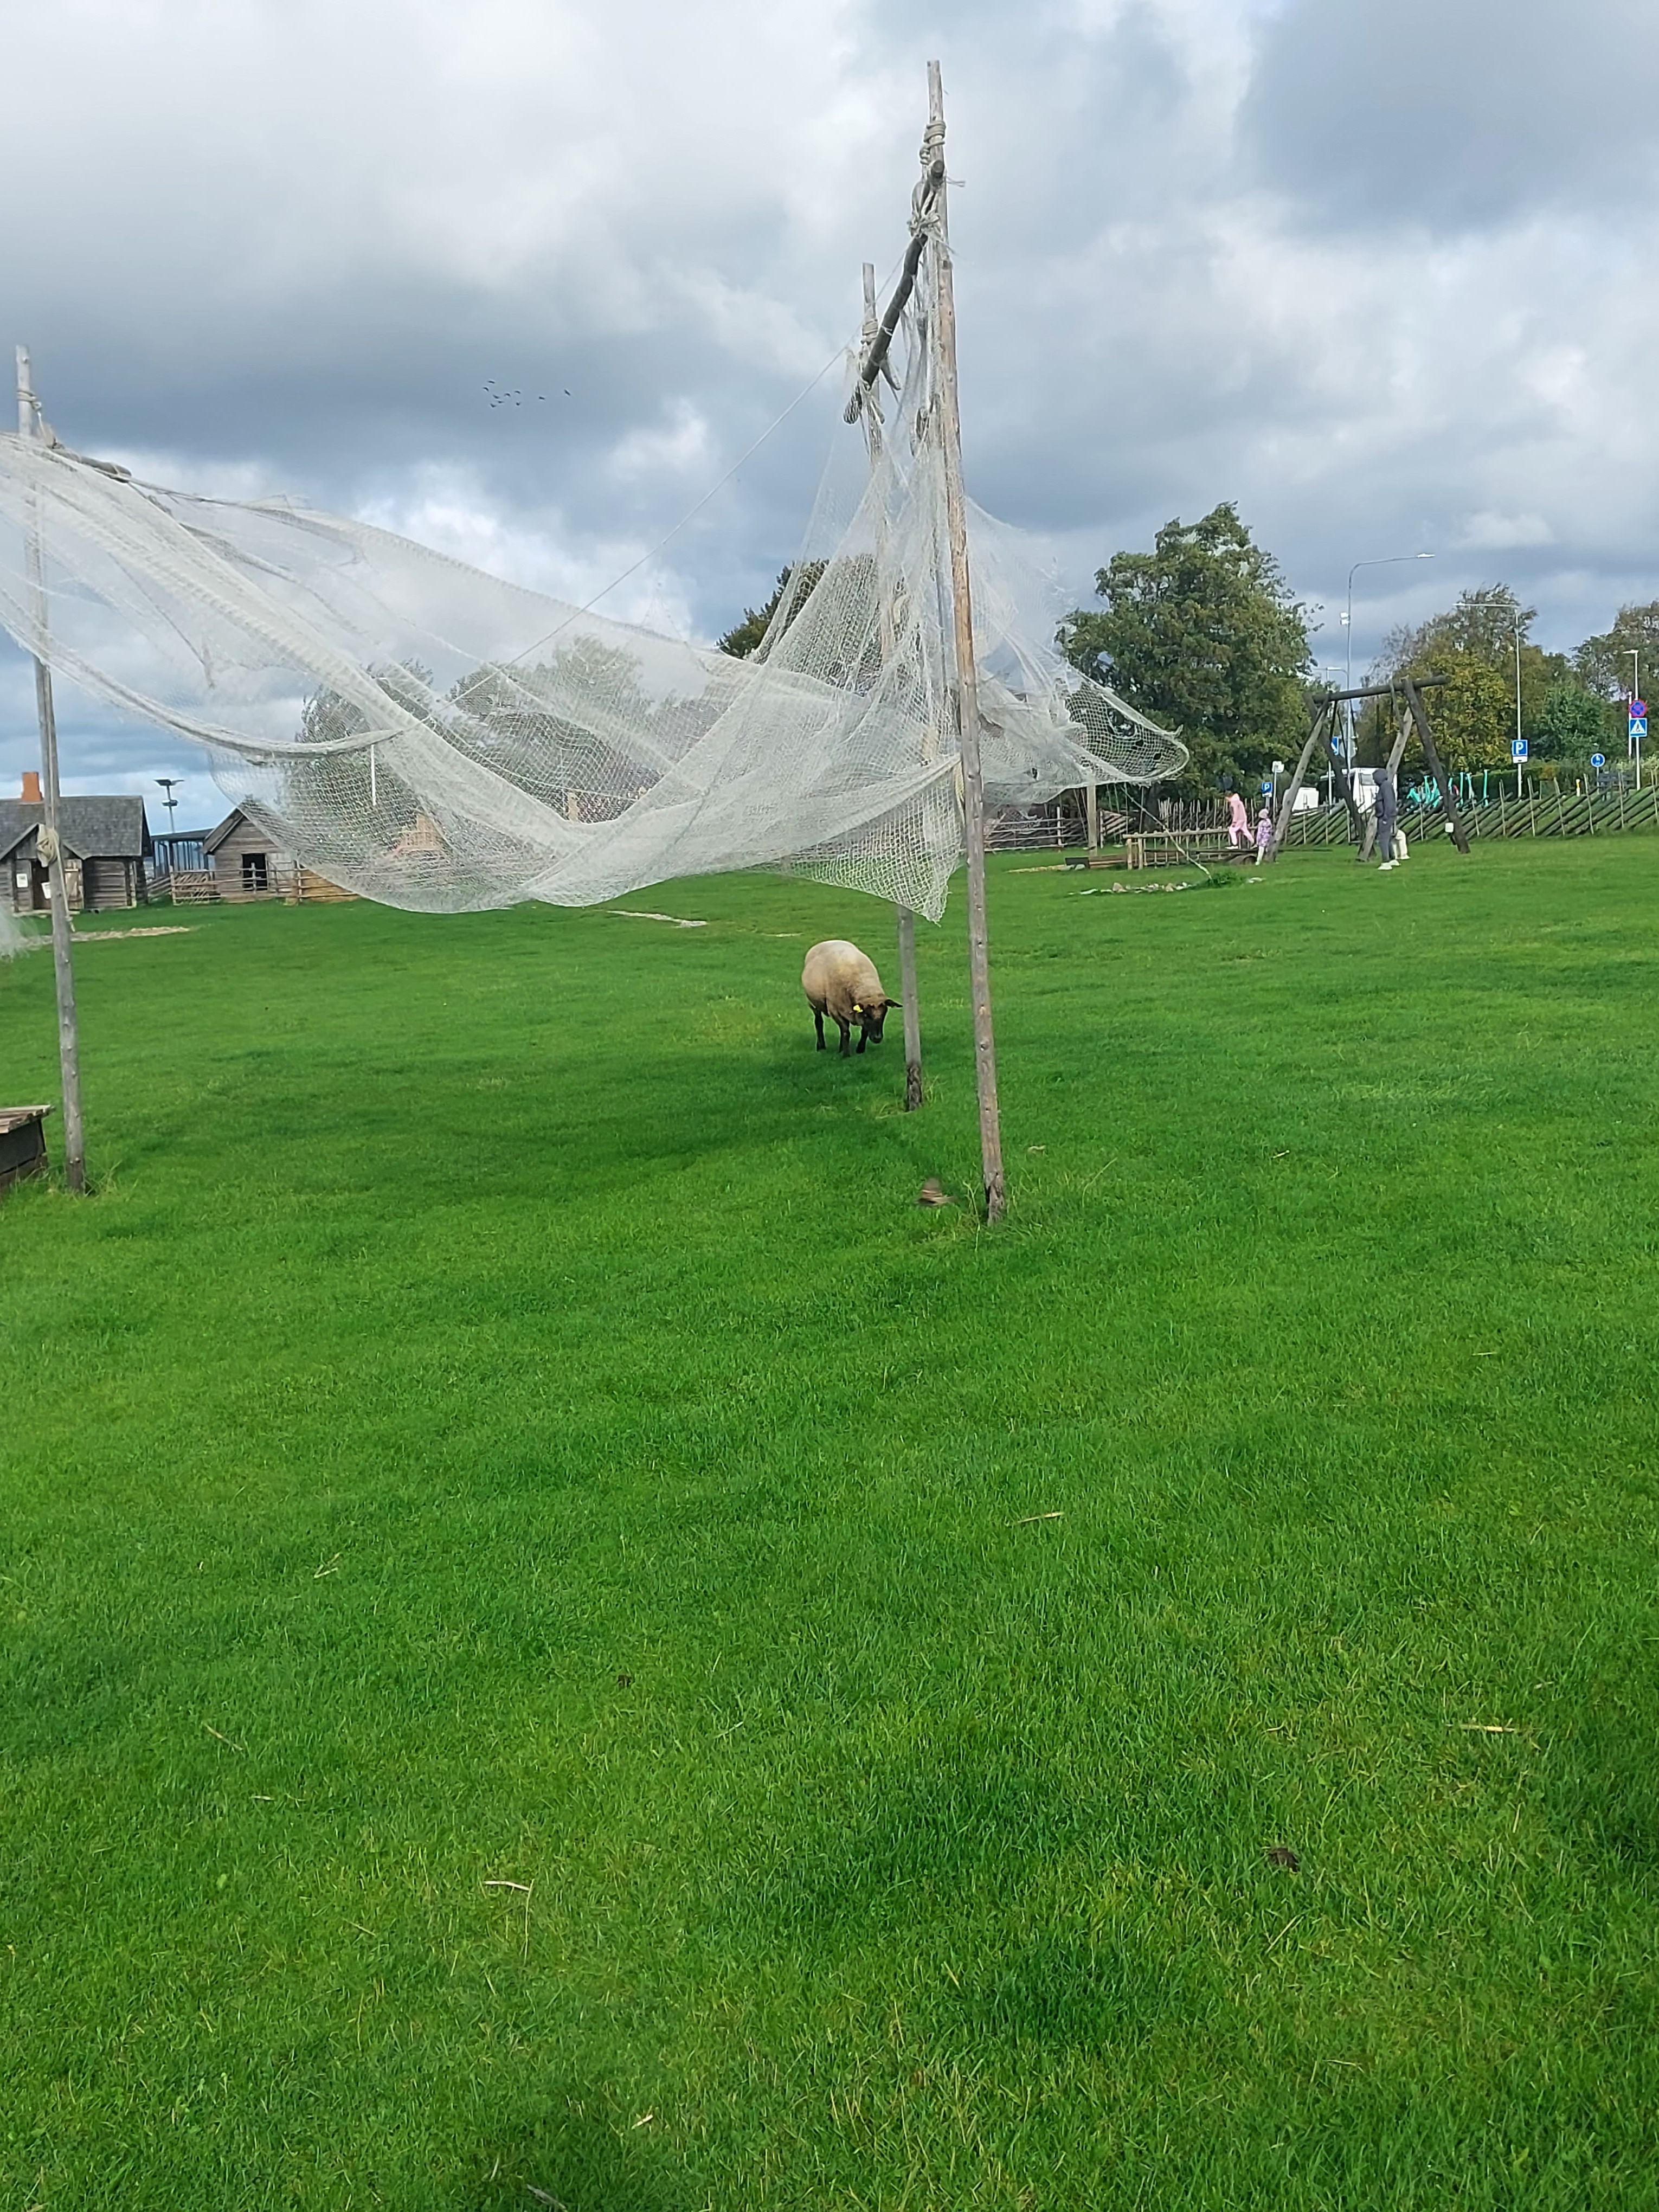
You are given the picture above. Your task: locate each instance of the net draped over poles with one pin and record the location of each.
(436, 738)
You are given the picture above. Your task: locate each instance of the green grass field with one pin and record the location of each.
(560, 1640)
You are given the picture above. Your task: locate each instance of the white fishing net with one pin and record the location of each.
(435, 737)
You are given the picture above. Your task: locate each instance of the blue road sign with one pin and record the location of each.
(1598, 760)
(1518, 749)
(1638, 726)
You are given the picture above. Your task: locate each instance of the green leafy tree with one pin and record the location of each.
(1604, 663)
(1473, 644)
(1202, 632)
(1473, 712)
(1574, 723)
(742, 638)
(1604, 666)
(1483, 624)
(567, 728)
(344, 781)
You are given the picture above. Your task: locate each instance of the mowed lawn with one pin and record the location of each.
(562, 1642)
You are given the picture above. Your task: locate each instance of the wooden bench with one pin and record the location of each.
(22, 1143)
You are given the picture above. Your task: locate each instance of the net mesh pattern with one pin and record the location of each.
(436, 738)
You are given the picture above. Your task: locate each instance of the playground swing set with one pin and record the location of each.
(1407, 692)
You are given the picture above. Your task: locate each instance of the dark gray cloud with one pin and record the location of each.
(1453, 114)
(1380, 272)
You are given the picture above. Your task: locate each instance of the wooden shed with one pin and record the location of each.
(105, 840)
(238, 861)
(247, 861)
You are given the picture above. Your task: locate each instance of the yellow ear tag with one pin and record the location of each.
(858, 1009)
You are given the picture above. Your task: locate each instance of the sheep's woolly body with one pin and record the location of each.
(838, 977)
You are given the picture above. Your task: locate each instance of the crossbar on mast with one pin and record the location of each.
(879, 344)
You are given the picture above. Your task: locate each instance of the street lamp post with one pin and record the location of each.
(1633, 653)
(1387, 561)
(1485, 599)
(170, 784)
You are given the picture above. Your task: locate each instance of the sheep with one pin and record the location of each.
(842, 981)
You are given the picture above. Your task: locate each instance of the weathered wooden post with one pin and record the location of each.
(1300, 772)
(1437, 767)
(909, 1001)
(30, 425)
(967, 674)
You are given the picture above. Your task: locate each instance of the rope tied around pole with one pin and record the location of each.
(924, 225)
(924, 201)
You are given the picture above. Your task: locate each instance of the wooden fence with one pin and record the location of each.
(291, 885)
(1540, 814)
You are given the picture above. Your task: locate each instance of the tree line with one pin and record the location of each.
(1204, 631)
(1204, 634)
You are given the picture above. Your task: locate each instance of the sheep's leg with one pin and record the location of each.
(818, 1023)
(846, 1031)
(864, 1039)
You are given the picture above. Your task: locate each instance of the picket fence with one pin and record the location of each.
(1544, 814)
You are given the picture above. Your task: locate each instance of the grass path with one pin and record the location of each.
(557, 1634)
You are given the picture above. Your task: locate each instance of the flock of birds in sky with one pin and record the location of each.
(499, 396)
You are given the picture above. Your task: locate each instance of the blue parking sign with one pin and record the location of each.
(1518, 749)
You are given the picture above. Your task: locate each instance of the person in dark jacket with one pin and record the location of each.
(1387, 813)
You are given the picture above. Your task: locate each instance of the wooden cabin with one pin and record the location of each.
(238, 861)
(106, 843)
(247, 861)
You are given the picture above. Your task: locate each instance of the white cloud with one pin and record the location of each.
(447, 509)
(1504, 533)
(679, 448)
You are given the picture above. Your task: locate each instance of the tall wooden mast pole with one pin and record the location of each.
(29, 425)
(967, 674)
(908, 999)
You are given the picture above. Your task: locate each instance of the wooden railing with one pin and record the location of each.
(284, 881)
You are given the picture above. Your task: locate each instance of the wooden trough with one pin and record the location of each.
(22, 1143)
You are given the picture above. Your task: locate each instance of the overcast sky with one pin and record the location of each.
(1385, 273)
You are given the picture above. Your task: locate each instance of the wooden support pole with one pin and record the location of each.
(1397, 754)
(1287, 806)
(966, 672)
(1091, 807)
(1431, 755)
(911, 1010)
(909, 1003)
(69, 1034)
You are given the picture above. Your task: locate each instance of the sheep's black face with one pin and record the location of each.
(873, 1020)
